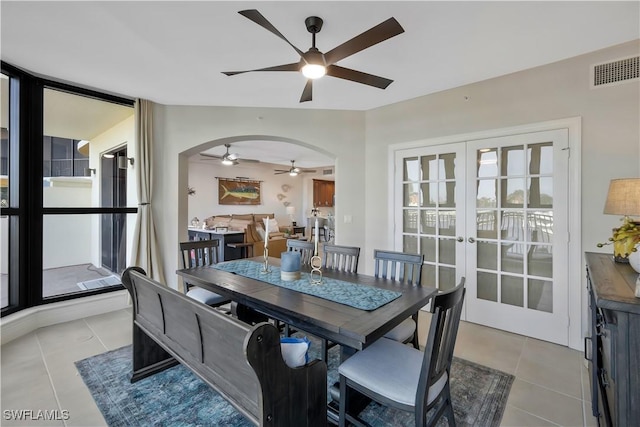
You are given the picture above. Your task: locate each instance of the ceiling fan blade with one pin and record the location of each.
(372, 36)
(257, 17)
(211, 156)
(308, 90)
(286, 67)
(358, 76)
(308, 171)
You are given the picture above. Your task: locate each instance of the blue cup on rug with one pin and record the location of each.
(290, 266)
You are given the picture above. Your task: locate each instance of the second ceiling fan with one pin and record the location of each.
(314, 64)
(293, 170)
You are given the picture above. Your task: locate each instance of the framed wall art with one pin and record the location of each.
(236, 191)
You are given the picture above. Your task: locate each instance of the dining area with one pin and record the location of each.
(368, 321)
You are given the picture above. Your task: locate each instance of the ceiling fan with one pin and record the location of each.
(227, 158)
(314, 64)
(293, 170)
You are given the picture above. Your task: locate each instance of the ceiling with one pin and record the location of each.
(174, 52)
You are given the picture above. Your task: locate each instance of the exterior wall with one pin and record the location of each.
(119, 135)
(67, 239)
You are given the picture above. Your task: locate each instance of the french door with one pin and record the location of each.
(495, 211)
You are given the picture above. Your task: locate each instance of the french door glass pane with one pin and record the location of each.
(487, 193)
(432, 188)
(487, 286)
(487, 163)
(513, 161)
(411, 169)
(515, 264)
(539, 295)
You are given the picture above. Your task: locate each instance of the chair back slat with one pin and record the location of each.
(305, 248)
(199, 253)
(341, 258)
(401, 266)
(438, 353)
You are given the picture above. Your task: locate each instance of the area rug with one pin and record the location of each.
(176, 397)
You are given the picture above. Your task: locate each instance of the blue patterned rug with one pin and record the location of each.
(176, 397)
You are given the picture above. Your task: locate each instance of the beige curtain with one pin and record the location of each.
(146, 252)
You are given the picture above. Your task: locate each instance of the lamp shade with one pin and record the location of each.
(291, 210)
(623, 197)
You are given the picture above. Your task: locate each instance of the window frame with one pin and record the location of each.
(25, 211)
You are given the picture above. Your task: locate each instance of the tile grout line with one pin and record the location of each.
(550, 389)
(515, 371)
(84, 319)
(534, 415)
(585, 404)
(53, 388)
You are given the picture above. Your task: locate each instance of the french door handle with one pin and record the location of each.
(460, 239)
(471, 240)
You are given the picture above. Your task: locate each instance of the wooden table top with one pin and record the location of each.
(337, 322)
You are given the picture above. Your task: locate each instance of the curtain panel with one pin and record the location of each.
(145, 251)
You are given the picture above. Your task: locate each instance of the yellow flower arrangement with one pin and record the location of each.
(624, 239)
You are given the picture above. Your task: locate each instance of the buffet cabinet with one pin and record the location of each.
(613, 345)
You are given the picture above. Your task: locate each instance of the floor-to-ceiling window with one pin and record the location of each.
(4, 190)
(58, 142)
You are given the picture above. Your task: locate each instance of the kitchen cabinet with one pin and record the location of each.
(323, 193)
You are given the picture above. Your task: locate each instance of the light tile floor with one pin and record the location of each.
(37, 372)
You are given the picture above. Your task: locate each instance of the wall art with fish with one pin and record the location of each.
(233, 191)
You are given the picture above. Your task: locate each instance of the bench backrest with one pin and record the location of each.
(241, 362)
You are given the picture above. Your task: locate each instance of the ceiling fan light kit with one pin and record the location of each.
(314, 64)
(293, 170)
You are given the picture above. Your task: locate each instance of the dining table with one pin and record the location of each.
(311, 307)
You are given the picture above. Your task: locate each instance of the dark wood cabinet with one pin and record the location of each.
(613, 344)
(323, 192)
(225, 253)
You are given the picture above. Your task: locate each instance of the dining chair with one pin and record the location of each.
(305, 248)
(407, 269)
(398, 376)
(341, 258)
(197, 254)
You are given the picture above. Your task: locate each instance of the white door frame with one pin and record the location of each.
(575, 268)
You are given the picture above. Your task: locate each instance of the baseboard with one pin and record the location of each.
(28, 320)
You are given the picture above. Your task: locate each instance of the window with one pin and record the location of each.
(65, 214)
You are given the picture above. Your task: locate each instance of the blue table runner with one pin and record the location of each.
(352, 294)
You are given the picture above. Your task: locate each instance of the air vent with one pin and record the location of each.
(616, 72)
(327, 172)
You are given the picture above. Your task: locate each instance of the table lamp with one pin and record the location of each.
(291, 211)
(623, 199)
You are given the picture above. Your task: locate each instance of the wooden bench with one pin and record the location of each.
(241, 362)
